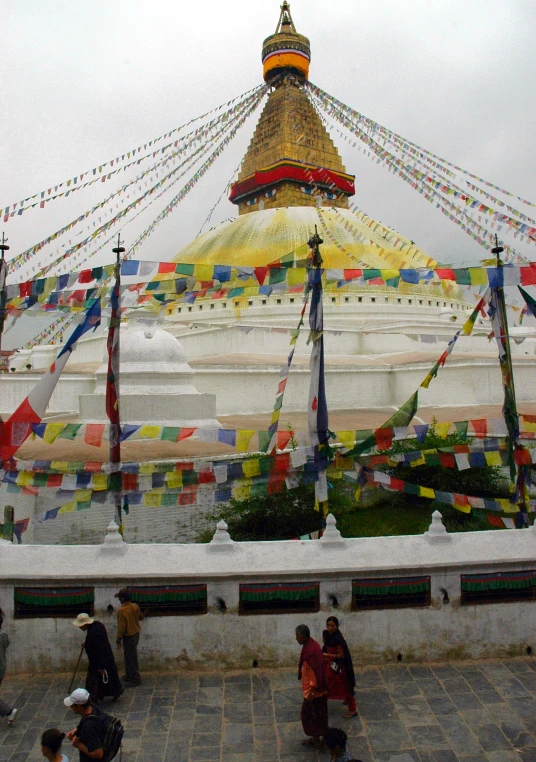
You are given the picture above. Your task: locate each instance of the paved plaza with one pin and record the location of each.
(481, 711)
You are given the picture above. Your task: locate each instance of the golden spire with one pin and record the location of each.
(291, 160)
(286, 51)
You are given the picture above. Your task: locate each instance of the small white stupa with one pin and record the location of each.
(155, 380)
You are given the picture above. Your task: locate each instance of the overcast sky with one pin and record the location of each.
(85, 81)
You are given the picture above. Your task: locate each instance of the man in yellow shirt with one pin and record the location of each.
(129, 616)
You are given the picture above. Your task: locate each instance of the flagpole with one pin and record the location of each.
(3, 276)
(112, 386)
(510, 406)
(318, 411)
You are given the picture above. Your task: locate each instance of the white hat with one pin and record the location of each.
(79, 696)
(83, 619)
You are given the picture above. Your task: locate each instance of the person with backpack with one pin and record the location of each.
(98, 735)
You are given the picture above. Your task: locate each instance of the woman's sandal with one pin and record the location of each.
(349, 715)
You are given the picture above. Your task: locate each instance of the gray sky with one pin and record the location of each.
(84, 82)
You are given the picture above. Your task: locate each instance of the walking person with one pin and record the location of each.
(102, 677)
(339, 667)
(5, 709)
(51, 745)
(129, 616)
(88, 736)
(312, 673)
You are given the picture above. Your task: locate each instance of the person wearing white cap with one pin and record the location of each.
(87, 737)
(102, 677)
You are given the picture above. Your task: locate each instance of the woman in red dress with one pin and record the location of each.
(339, 667)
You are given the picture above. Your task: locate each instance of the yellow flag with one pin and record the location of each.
(52, 431)
(82, 495)
(295, 276)
(493, 458)
(243, 438)
(25, 478)
(442, 429)
(427, 492)
(152, 499)
(478, 276)
(346, 438)
(251, 468)
(174, 479)
(204, 272)
(59, 465)
(100, 482)
(507, 506)
(150, 432)
(241, 493)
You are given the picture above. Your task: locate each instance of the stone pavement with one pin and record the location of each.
(482, 711)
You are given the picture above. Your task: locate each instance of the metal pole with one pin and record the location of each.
(507, 371)
(113, 378)
(497, 250)
(3, 275)
(317, 332)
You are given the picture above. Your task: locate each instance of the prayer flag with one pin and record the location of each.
(34, 407)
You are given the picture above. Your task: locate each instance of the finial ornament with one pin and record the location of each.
(113, 542)
(437, 531)
(314, 244)
(285, 19)
(221, 539)
(331, 537)
(285, 51)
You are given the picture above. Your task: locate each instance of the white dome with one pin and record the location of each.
(144, 348)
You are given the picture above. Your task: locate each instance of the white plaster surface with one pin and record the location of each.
(210, 640)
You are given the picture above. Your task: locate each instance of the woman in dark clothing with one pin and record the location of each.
(339, 667)
(102, 678)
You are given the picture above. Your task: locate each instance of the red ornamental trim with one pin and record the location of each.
(58, 592)
(387, 582)
(296, 172)
(169, 589)
(275, 588)
(512, 577)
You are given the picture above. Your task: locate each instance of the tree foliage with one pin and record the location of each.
(487, 481)
(282, 516)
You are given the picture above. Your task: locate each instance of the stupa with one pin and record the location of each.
(293, 178)
(156, 380)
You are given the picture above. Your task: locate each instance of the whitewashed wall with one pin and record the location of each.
(441, 631)
(246, 389)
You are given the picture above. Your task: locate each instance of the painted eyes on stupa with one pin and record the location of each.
(252, 201)
(312, 192)
(270, 193)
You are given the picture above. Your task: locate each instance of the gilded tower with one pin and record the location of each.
(291, 160)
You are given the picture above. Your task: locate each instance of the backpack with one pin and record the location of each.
(112, 735)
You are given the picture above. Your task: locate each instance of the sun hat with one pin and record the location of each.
(123, 593)
(79, 696)
(83, 619)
